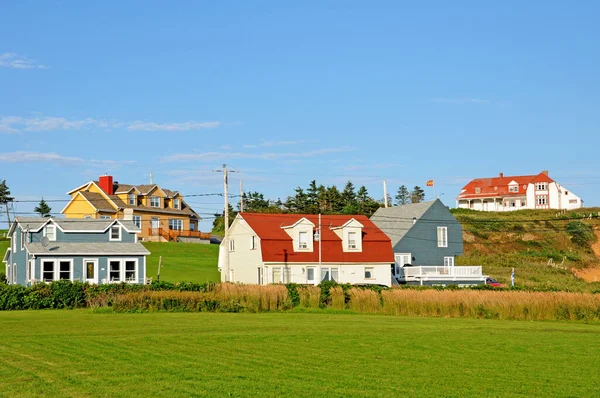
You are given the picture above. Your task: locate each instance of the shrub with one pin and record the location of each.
(337, 297)
(310, 296)
(581, 233)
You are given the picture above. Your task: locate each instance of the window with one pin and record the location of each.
(47, 271)
(87, 217)
(513, 203)
(50, 232)
(572, 201)
(523, 202)
(329, 274)
(175, 224)
(369, 273)
(477, 190)
(310, 274)
(176, 203)
(541, 200)
(231, 245)
(23, 237)
(302, 240)
(130, 271)
(513, 188)
(352, 240)
(276, 275)
(105, 217)
(132, 199)
(253, 242)
(281, 275)
(287, 275)
(442, 236)
(448, 261)
(115, 232)
(154, 201)
(114, 271)
(137, 221)
(64, 270)
(541, 186)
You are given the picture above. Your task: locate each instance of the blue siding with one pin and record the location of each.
(421, 240)
(78, 264)
(61, 236)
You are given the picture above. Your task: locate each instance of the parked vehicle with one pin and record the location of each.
(493, 282)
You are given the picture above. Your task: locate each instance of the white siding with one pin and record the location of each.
(353, 274)
(243, 261)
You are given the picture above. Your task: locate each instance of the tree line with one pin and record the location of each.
(322, 199)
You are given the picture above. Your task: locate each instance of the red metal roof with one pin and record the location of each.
(498, 186)
(277, 245)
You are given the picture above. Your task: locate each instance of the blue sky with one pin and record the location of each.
(289, 92)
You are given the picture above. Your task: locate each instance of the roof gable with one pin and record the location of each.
(396, 221)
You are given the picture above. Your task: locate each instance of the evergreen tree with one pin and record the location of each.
(417, 195)
(255, 202)
(5, 198)
(312, 198)
(297, 203)
(43, 209)
(219, 221)
(403, 196)
(348, 195)
(334, 200)
(322, 198)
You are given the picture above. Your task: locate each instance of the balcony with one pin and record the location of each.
(434, 273)
(175, 234)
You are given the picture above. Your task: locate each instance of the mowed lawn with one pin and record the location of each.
(81, 353)
(183, 262)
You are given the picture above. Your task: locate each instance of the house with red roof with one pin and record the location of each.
(306, 249)
(507, 193)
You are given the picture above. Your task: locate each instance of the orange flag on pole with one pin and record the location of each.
(429, 183)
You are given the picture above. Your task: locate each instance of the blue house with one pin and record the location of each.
(87, 250)
(426, 239)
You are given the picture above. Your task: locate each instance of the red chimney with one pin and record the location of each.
(545, 172)
(501, 175)
(106, 184)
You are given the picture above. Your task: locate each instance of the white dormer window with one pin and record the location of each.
(132, 199)
(477, 190)
(303, 240)
(541, 186)
(352, 241)
(115, 233)
(50, 232)
(513, 188)
(154, 201)
(176, 204)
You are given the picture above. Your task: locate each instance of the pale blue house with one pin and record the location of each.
(87, 250)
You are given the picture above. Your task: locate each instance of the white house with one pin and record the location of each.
(305, 249)
(507, 193)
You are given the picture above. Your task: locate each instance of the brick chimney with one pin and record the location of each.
(501, 175)
(545, 172)
(106, 184)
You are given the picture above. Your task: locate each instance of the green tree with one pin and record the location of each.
(402, 196)
(297, 203)
(417, 195)
(255, 202)
(348, 195)
(334, 200)
(312, 198)
(43, 209)
(5, 198)
(219, 221)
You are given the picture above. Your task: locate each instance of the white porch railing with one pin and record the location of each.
(445, 272)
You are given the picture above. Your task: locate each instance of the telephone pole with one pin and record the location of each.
(385, 196)
(225, 242)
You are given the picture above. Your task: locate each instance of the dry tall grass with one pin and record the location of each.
(253, 298)
(338, 300)
(310, 296)
(364, 300)
(491, 304)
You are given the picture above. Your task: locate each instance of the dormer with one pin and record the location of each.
(301, 233)
(513, 186)
(351, 235)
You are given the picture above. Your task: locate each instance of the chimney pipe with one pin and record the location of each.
(501, 175)
(106, 184)
(545, 172)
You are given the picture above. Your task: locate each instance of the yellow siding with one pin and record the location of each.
(79, 208)
(95, 189)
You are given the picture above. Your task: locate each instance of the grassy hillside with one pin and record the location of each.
(183, 261)
(79, 353)
(545, 247)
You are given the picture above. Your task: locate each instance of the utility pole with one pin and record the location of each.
(151, 178)
(385, 196)
(320, 240)
(225, 241)
(241, 196)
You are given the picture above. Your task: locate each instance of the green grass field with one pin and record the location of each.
(183, 262)
(80, 353)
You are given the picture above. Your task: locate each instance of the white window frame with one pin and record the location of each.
(302, 245)
(176, 203)
(314, 272)
(253, 242)
(175, 224)
(14, 274)
(370, 271)
(449, 261)
(53, 238)
(42, 270)
(122, 269)
(478, 190)
(23, 237)
(350, 245)
(541, 186)
(110, 233)
(132, 198)
(105, 217)
(513, 188)
(329, 270)
(31, 271)
(442, 236)
(135, 219)
(231, 245)
(541, 200)
(56, 272)
(152, 204)
(84, 272)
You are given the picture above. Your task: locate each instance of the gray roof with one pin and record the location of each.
(396, 221)
(75, 224)
(87, 248)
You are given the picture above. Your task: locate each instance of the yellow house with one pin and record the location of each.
(161, 214)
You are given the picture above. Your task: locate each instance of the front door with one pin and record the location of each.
(155, 225)
(401, 260)
(310, 275)
(90, 271)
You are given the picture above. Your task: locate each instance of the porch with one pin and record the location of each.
(168, 235)
(428, 275)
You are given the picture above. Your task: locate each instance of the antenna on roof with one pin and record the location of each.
(151, 178)
(44, 242)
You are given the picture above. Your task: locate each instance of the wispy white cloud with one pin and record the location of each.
(219, 156)
(16, 61)
(17, 124)
(460, 101)
(49, 157)
(267, 144)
